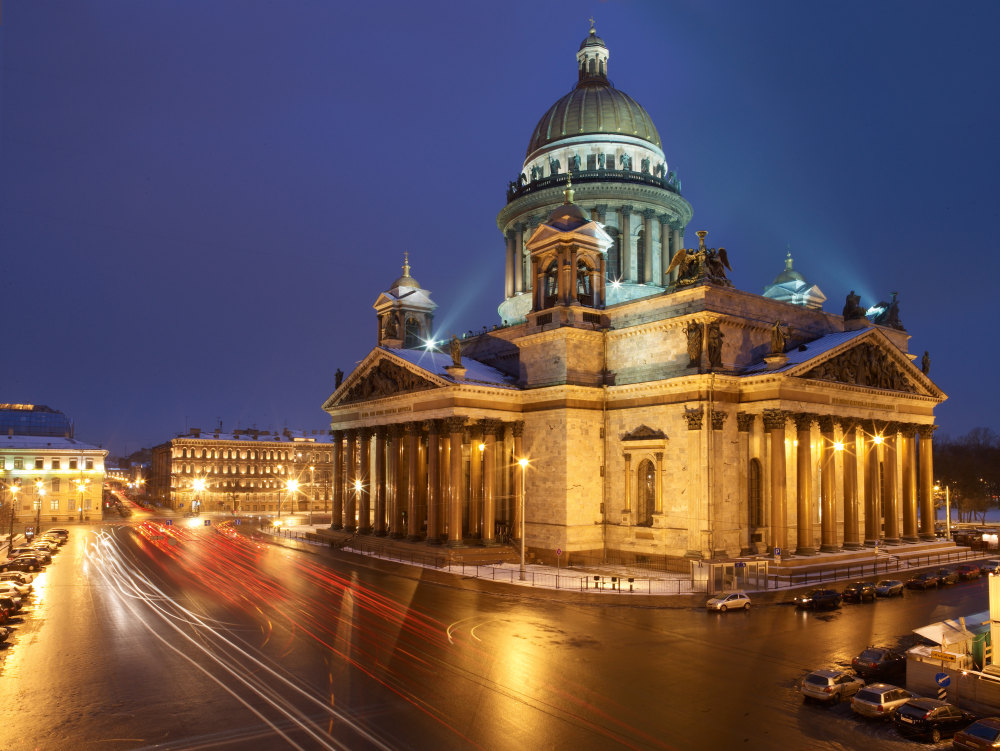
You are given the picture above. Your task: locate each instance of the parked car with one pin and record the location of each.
(830, 686)
(947, 576)
(925, 580)
(990, 567)
(4, 633)
(859, 592)
(880, 700)
(21, 564)
(11, 603)
(878, 663)
(982, 734)
(21, 590)
(815, 599)
(19, 550)
(931, 719)
(729, 601)
(17, 577)
(48, 548)
(53, 538)
(889, 588)
(968, 571)
(36, 556)
(63, 533)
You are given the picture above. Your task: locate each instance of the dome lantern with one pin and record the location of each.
(592, 59)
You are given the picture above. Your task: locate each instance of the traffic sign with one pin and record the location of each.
(208, 522)
(942, 679)
(777, 552)
(558, 552)
(740, 564)
(168, 522)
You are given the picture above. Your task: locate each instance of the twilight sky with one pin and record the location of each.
(201, 199)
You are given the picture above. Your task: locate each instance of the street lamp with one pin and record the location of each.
(524, 468)
(311, 495)
(81, 485)
(292, 486)
(198, 485)
(40, 487)
(15, 486)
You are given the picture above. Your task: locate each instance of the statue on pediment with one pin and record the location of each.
(338, 378)
(925, 363)
(863, 365)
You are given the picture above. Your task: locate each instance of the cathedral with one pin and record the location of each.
(631, 404)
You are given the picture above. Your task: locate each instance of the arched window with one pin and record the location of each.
(755, 504)
(584, 285)
(646, 495)
(614, 255)
(551, 289)
(411, 333)
(591, 67)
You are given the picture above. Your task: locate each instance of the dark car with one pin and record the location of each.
(982, 734)
(925, 580)
(931, 719)
(21, 564)
(947, 576)
(879, 663)
(859, 592)
(11, 605)
(991, 566)
(889, 588)
(968, 571)
(815, 599)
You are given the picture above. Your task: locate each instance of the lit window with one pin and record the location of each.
(72, 463)
(55, 464)
(90, 463)
(54, 504)
(39, 463)
(18, 462)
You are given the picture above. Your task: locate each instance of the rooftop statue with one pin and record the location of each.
(338, 378)
(694, 336)
(700, 266)
(925, 363)
(887, 314)
(456, 351)
(779, 338)
(852, 307)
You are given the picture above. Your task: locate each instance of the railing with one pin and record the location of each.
(586, 176)
(883, 564)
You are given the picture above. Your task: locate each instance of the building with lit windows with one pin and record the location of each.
(47, 474)
(243, 472)
(633, 405)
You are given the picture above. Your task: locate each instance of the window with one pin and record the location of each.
(90, 463)
(55, 464)
(551, 288)
(72, 464)
(3, 463)
(54, 504)
(39, 463)
(18, 462)
(591, 161)
(411, 333)
(646, 497)
(55, 484)
(584, 291)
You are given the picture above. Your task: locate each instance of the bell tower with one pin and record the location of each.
(405, 312)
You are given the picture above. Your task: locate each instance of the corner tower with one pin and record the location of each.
(405, 312)
(610, 146)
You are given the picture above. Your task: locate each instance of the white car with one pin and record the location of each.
(14, 589)
(830, 686)
(729, 601)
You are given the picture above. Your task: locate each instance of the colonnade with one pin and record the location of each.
(882, 465)
(519, 278)
(446, 480)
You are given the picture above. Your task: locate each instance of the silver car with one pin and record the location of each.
(729, 601)
(830, 686)
(880, 700)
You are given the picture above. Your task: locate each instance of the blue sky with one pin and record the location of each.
(201, 199)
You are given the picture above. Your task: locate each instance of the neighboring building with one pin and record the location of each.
(684, 419)
(246, 471)
(33, 419)
(56, 479)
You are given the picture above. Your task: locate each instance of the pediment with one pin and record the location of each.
(872, 362)
(644, 433)
(378, 378)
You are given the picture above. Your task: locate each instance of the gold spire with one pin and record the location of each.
(592, 31)
(406, 263)
(701, 238)
(568, 193)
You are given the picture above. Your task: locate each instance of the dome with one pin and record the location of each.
(594, 106)
(406, 280)
(789, 274)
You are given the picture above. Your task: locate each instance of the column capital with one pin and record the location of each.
(412, 428)
(803, 420)
(659, 456)
(520, 226)
(718, 419)
(926, 431)
(351, 433)
(601, 209)
(337, 435)
(491, 427)
(775, 419)
(395, 430)
(826, 423)
(431, 426)
(626, 208)
(517, 428)
(847, 424)
(366, 433)
(744, 421)
(534, 221)
(648, 213)
(694, 416)
(665, 219)
(455, 424)
(379, 431)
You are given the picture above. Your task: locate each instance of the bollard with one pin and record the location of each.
(596, 580)
(614, 582)
(630, 580)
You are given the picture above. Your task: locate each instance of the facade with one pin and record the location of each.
(246, 471)
(626, 415)
(51, 478)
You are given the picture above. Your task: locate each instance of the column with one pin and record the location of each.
(803, 484)
(433, 483)
(508, 287)
(828, 467)
(365, 496)
(351, 506)
(337, 518)
(890, 489)
(476, 450)
(456, 495)
(412, 442)
(697, 493)
(396, 496)
(421, 482)
(744, 424)
(627, 258)
(908, 447)
(678, 243)
(533, 222)
(774, 424)
(647, 229)
(379, 483)
(519, 257)
(873, 510)
(490, 429)
(658, 505)
(517, 430)
(926, 485)
(666, 254)
(852, 533)
(627, 511)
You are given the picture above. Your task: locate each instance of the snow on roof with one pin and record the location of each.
(435, 363)
(34, 442)
(260, 436)
(954, 630)
(808, 351)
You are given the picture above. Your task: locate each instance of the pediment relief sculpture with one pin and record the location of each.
(864, 365)
(385, 379)
(644, 433)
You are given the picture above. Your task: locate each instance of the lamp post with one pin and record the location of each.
(81, 485)
(524, 468)
(312, 492)
(198, 485)
(14, 488)
(292, 486)
(40, 487)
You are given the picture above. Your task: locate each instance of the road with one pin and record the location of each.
(206, 639)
